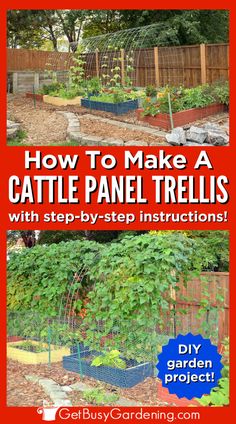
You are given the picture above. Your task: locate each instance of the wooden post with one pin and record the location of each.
(54, 76)
(122, 62)
(15, 82)
(36, 81)
(97, 63)
(203, 63)
(157, 71)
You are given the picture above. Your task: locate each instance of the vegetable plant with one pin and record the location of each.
(133, 291)
(99, 397)
(185, 98)
(109, 359)
(219, 396)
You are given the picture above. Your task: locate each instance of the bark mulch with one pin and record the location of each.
(24, 393)
(95, 127)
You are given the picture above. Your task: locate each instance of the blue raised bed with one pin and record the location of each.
(117, 108)
(134, 373)
(82, 347)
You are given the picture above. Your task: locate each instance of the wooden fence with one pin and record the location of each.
(187, 65)
(212, 287)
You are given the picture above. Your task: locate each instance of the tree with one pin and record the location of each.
(31, 28)
(24, 29)
(28, 237)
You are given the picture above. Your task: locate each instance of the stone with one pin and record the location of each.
(136, 143)
(74, 136)
(112, 142)
(174, 139)
(191, 143)
(73, 129)
(196, 134)
(90, 140)
(11, 124)
(157, 143)
(211, 127)
(217, 138)
(11, 132)
(181, 133)
(66, 389)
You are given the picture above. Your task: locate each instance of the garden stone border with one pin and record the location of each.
(74, 133)
(58, 394)
(52, 389)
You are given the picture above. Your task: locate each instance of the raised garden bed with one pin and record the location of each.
(38, 97)
(59, 101)
(82, 347)
(14, 338)
(116, 108)
(184, 117)
(134, 373)
(28, 357)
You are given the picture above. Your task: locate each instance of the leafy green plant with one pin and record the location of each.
(185, 98)
(38, 278)
(70, 93)
(151, 91)
(77, 71)
(109, 359)
(31, 347)
(99, 397)
(220, 92)
(94, 86)
(196, 97)
(132, 291)
(219, 396)
(18, 139)
(116, 95)
(50, 89)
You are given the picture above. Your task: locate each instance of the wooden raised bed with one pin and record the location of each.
(58, 101)
(37, 97)
(27, 357)
(184, 117)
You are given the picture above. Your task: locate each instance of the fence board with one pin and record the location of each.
(210, 286)
(180, 65)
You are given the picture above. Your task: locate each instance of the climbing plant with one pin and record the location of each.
(133, 291)
(38, 278)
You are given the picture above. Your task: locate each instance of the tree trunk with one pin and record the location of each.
(28, 238)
